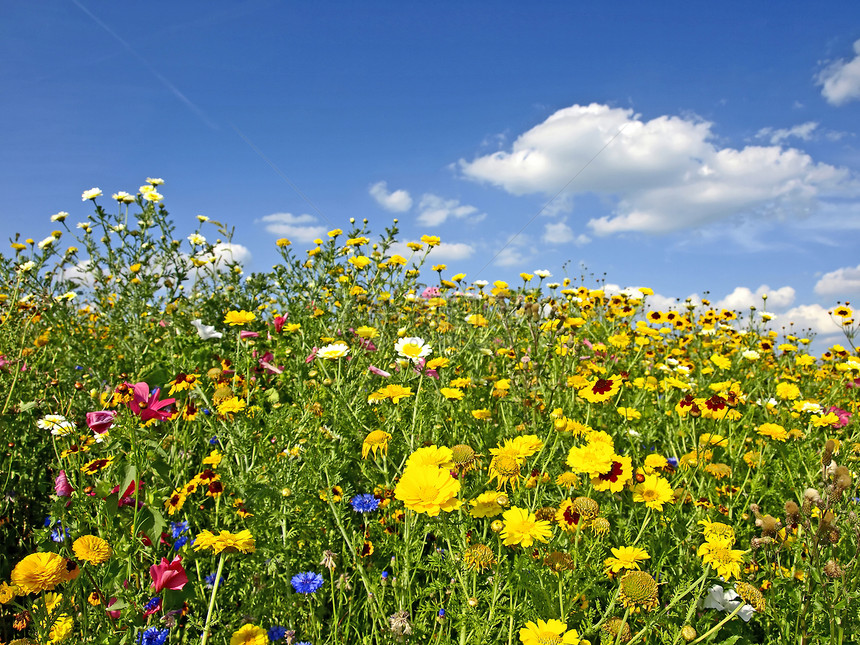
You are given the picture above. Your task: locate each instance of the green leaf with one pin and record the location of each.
(130, 476)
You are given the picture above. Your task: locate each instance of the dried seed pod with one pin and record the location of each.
(829, 447)
(833, 570)
(769, 525)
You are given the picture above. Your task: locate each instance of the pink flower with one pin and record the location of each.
(62, 485)
(843, 415)
(279, 323)
(379, 372)
(168, 575)
(312, 355)
(127, 498)
(248, 334)
(430, 292)
(113, 614)
(100, 421)
(420, 369)
(147, 405)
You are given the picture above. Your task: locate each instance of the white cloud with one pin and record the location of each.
(225, 253)
(511, 256)
(398, 201)
(444, 251)
(297, 228)
(812, 317)
(742, 298)
(561, 233)
(664, 174)
(435, 210)
(802, 131)
(840, 81)
(841, 282)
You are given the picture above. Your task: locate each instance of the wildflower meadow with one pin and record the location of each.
(337, 452)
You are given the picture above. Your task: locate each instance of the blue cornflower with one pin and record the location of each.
(276, 633)
(152, 603)
(48, 521)
(153, 636)
(384, 575)
(307, 582)
(178, 528)
(180, 542)
(673, 461)
(59, 534)
(364, 503)
(442, 613)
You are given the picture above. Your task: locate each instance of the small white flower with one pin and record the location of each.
(552, 285)
(751, 355)
(205, 331)
(59, 217)
(57, 424)
(92, 193)
(202, 218)
(726, 600)
(29, 264)
(196, 239)
(122, 197)
(48, 241)
(413, 348)
(154, 181)
(542, 273)
(153, 196)
(333, 351)
(480, 283)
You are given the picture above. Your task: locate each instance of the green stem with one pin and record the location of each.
(212, 600)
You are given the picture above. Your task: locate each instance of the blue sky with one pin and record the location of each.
(687, 147)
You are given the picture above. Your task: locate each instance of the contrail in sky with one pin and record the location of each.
(170, 86)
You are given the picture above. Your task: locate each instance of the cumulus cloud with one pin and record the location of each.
(435, 210)
(841, 282)
(561, 233)
(224, 254)
(664, 174)
(297, 228)
(812, 317)
(447, 251)
(776, 136)
(840, 81)
(398, 201)
(742, 298)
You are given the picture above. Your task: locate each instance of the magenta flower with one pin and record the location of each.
(279, 323)
(62, 485)
(431, 292)
(312, 355)
(146, 405)
(100, 421)
(248, 334)
(843, 415)
(379, 372)
(168, 575)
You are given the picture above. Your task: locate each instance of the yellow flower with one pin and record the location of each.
(717, 531)
(226, 541)
(7, 593)
(249, 635)
(523, 528)
(359, 261)
(481, 415)
(477, 320)
(720, 555)
(593, 458)
(654, 492)
(282, 242)
(452, 393)
(772, 430)
(600, 389)
(92, 549)
(428, 489)
(626, 557)
(239, 317)
(430, 240)
(39, 572)
(787, 391)
(393, 392)
(374, 441)
(629, 414)
(487, 504)
(231, 406)
(548, 632)
(437, 456)
(366, 332)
